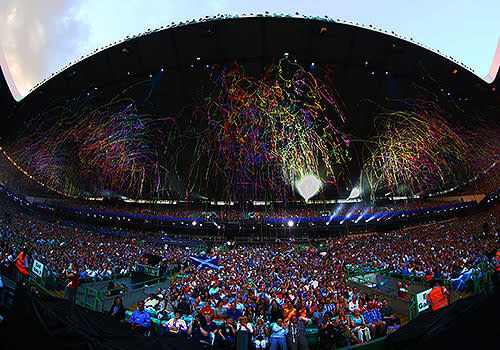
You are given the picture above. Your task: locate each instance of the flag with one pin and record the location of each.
(202, 262)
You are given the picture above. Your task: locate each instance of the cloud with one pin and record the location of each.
(34, 35)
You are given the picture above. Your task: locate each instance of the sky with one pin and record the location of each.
(39, 37)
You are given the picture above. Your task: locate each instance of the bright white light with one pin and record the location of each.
(355, 192)
(193, 223)
(290, 223)
(308, 186)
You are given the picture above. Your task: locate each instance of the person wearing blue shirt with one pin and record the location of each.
(233, 312)
(278, 335)
(373, 319)
(140, 320)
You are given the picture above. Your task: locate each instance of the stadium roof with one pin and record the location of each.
(368, 65)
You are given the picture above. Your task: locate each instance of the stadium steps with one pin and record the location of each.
(58, 293)
(461, 295)
(403, 318)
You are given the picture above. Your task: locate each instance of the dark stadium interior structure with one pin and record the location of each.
(89, 242)
(371, 72)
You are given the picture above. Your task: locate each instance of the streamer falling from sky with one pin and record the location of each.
(268, 132)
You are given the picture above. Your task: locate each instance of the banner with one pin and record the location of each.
(422, 302)
(37, 268)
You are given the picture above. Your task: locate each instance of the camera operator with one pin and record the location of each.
(197, 330)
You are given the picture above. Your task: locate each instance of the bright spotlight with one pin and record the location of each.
(290, 223)
(308, 186)
(193, 223)
(355, 193)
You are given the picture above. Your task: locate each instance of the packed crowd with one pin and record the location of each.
(90, 254)
(272, 292)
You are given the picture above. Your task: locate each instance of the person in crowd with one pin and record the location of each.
(198, 330)
(244, 332)
(184, 306)
(403, 290)
(207, 309)
(73, 281)
(151, 302)
(117, 310)
(210, 324)
(278, 335)
(176, 326)
(373, 319)
(377, 304)
(140, 320)
(276, 312)
(332, 331)
(388, 315)
(226, 334)
(160, 307)
(249, 313)
(109, 289)
(22, 266)
(353, 304)
(220, 312)
(288, 312)
(172, 304)
(233, 312)
(261, 334)
(358, 326)
(296, 335)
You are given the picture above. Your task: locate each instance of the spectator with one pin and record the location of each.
(388, 314)
(184, 307)
(288, 312)
(220, 312)
(358, 326)
(261, 334)
(296, 336)
(233, 312)
(109, 289)
(278, 335)
(72, 284)
(117, 310)
(176, 326)
(172, 304)
(276, 312)
(140, 320)
(226, 333)
(206, 309)
(373, 319)
(151, 302)
(197, 330)
(244, 332)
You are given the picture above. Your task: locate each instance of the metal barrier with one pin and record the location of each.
(363, 269)
(94, 299)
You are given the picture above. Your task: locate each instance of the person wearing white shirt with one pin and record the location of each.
(243, 325)
(176, 325)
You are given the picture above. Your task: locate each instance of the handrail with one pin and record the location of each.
(392, 292)
(40, 287)
(99, 296)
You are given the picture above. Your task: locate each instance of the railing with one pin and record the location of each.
(393, 292)
(363, 269)
(94, 299)
(480, 281)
